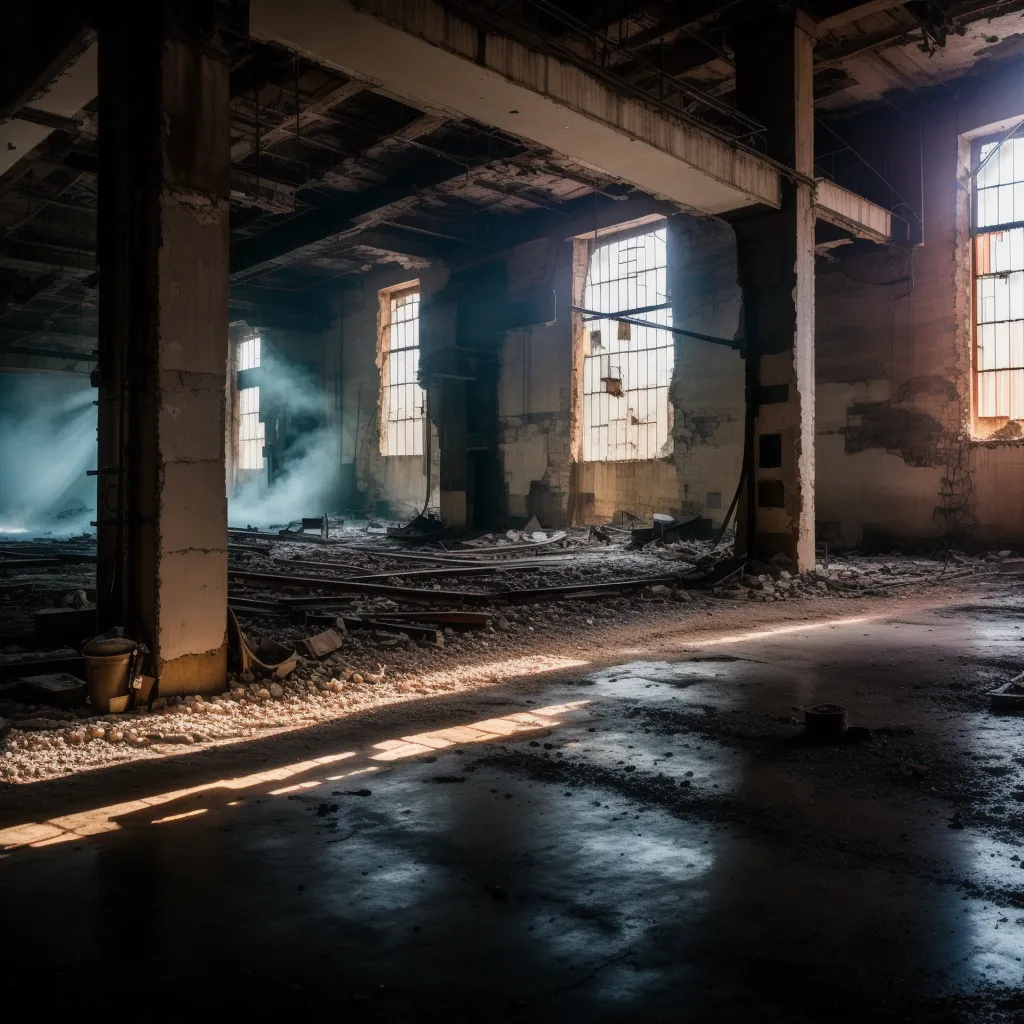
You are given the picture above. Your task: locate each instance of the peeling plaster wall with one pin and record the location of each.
(534, 391)
(707, 389)
(898, 454)
(540, 381)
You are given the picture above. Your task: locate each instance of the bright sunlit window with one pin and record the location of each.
(249, 354)
(401, 414)
(251, 431)
(626, 376)
(999, 278)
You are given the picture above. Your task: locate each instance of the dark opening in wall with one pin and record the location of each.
(714, 499)
(771, 494)
(769, 451)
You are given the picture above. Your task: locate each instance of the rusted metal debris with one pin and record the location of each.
(355, 587)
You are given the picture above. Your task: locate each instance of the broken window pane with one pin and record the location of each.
(626, 378)
(402, 415)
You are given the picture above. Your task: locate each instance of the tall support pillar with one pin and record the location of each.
(164, 179)
(452, 442)
(775, 248)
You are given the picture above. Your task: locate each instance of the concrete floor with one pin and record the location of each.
(653, 841)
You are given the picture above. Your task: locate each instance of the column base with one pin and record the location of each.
(205, 673)
(453, 509)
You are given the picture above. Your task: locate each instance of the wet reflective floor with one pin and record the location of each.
(650, 840)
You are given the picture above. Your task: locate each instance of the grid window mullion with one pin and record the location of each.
(403, 423)
(626, 274)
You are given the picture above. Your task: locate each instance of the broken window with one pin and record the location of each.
(998, 224)
(626, 376)
(249, 354)
(401, 414)
(251, 430)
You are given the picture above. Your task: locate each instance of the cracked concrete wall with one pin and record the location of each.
(707, 387)
(540, 385)
(900, 454)
(534, 383)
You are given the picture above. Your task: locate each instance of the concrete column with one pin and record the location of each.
(164, 178)
(450, 418)
(775, 248)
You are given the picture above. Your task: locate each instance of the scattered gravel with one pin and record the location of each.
(373, 669)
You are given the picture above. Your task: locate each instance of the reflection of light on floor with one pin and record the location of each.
(313, 783)
(178, 817)
(478, 732)
(993, 936)
(469, 677)
(659, 869)
(762, 634)
(104, 819)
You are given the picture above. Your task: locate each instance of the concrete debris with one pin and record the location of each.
(1008, 699)
(440, 647)
(322, 644)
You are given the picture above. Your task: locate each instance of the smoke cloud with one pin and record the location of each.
(47, 443)
(306, 479)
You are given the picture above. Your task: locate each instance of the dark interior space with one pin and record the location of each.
(513, 509)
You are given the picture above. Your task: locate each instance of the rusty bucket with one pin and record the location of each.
(108, 667)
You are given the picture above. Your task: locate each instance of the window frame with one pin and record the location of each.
(975, 233)
(255, 342)
(662, 451)
(259, 440)
(387, 426)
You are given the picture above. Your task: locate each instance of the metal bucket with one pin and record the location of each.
(824, 721)
(108, 666)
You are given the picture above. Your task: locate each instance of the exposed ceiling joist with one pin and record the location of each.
(369, 206)
(309, 114)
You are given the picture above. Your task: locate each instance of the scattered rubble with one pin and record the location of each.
(526, 603)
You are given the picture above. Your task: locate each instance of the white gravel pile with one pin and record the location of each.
(38, 742)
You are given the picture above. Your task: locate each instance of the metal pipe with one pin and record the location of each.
(596, 315)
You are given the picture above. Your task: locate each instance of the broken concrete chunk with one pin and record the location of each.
(322, 644)
(661, 591)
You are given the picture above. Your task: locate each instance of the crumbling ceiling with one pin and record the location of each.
(331, 177)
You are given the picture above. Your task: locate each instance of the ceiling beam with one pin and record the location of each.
(854, 12)
(342, 174)
(45, 362)
(676, 17)
(369, 206)
(49, 256)
(309, 114)
(42, 40)
(402, 243)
